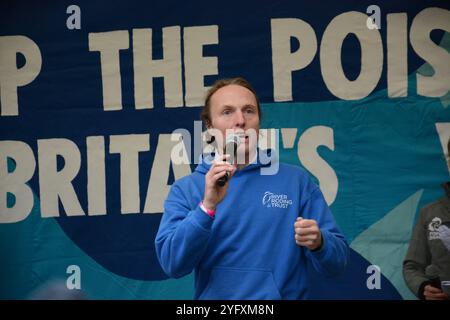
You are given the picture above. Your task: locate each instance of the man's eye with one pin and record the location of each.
(250, 111)
(226, 112)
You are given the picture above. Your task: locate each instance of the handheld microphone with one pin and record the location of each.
(432, 273)
(231, 145)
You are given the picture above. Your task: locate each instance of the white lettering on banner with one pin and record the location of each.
(331, 60)
(13, 182)
(56, 185)
(12, 77)
(146, 68)
(96, 183)
(397, 55)
(109, 45)
(308, 143)
(196, 66)
(129, 146)
(426, 21)
(288, 137)
(285, 62)
(158, 188)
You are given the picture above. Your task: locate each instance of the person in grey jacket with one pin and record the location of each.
(427, 261)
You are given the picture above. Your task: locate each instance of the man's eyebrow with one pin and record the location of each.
(249, 105)
(232, 107)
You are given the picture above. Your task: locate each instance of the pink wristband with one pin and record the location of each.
(210, 213)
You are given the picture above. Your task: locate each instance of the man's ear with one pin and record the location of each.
(210, 130)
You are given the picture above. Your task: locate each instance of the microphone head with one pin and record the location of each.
(432, 271)
(233, 138)
(232, 142)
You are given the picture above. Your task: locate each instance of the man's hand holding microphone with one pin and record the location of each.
(221, 171)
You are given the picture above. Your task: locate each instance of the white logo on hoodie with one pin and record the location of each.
(272, 200)
(433, 227)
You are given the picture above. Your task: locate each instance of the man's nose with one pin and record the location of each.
(239, 119)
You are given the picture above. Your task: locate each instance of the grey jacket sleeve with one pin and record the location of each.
(417, 258)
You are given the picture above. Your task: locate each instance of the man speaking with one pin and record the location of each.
(248, 235)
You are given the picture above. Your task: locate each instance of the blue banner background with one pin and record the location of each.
(387, 156)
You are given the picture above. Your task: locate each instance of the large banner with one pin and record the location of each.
(91, 93)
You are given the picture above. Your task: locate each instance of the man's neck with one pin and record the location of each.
(249, 158)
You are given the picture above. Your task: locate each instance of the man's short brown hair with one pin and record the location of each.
(205, 115)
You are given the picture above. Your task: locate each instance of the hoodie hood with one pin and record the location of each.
(264, 158)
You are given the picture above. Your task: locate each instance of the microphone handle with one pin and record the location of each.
(222, 180)
(436, 282)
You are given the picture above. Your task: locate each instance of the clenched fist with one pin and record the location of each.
(307, 233)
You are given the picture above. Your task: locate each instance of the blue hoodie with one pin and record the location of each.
(248, 250)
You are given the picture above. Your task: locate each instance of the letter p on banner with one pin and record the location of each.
(11, 76)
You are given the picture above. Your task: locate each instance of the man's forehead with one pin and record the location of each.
(233, 95)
